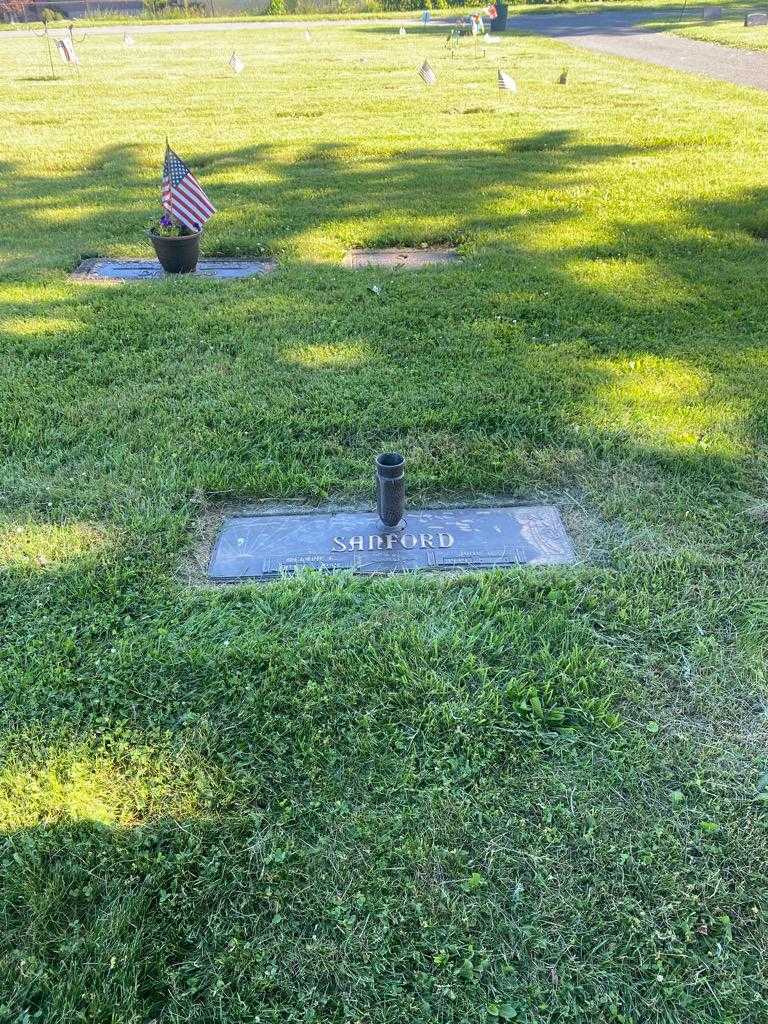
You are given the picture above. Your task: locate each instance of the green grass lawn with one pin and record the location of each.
(692, 20)
(531, 795)
(730, 31)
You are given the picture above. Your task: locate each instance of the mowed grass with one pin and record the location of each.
(530, 795)
(727, 33)
(727, 30)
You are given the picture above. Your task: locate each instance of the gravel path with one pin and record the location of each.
(622, 34)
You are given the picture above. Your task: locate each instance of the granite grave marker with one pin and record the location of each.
(399, 258)
(142, 270)
(262, 547)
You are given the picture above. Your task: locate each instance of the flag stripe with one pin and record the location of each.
(192, 203)
(178, 203)
(67, 51)
(505, 82)
(428, 75)
(182, 195)
(191, 184)
(185, 214)
(196, 194)
(198, 215)
(189, 211)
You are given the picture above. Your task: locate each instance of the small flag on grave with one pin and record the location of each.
(426, 18)
(492, 11)
(183, 197)
(236, 64)
(506, 84)
(426, 72)
(402, 30)
(128, 39)
(563, 79)
(66, 50)
(307, 36)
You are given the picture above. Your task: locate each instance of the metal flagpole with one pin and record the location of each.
(171, 214)
(682, 9)
(72, 40)
(48, 42)
(50, 54)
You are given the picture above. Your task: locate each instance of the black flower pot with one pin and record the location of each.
(177, 255)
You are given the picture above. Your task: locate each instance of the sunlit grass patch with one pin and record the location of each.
(80, 785)
(40, 545)
(635, 279)
(328, 355)
(668, 404)
(34, 326)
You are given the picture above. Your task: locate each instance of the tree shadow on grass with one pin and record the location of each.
(288, 790)
(495, 381)
(332, 856)
(245, 916)
(320, 191)
(345, 715)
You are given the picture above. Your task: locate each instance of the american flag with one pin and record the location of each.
(426, 72)
(236, 64)
(67, 51)
(506, 83)
(128, 39)
(402, 30)
(183, 198)
(492, 11)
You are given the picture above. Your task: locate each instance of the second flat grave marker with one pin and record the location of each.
(400, 258)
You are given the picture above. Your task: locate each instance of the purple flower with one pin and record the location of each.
(165, 221)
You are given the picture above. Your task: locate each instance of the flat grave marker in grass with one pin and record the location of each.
(400, 258)
(265, 546)
(141, 270)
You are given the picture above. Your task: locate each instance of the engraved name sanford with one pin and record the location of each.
(387, 541)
